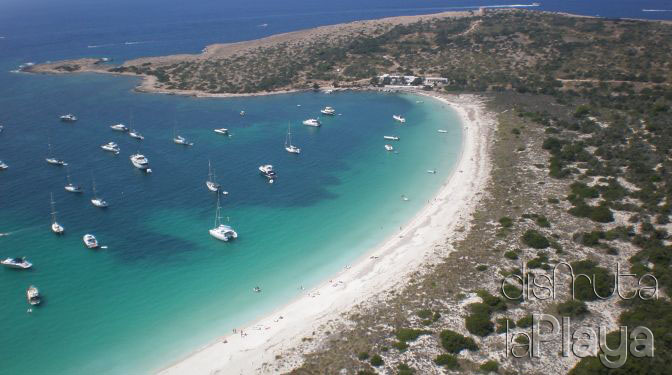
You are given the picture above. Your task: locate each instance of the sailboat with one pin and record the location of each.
(134, 133)
(220, 231)
(55, 226)
(210, 183)
(52, 160)
(288, 142)
(70, 187)
(96, 201)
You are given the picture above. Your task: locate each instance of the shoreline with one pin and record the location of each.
(384, 267)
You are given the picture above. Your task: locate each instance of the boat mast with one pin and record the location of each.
(53, 209)
(67, 174)
(210, 172)
(217, 217)
(95, 193)
(288, 139)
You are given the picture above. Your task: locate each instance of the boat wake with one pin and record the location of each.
(656, 10)
(135, 42)
(99, 45)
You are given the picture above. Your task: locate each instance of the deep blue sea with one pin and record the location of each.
(163, 286)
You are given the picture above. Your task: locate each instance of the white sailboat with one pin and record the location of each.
(132, 132)
(70, 187)
(288, 142)
(399, 118)
(52, 160)
(55, 226)
(210, 183)
(97, 201)
(220, 231)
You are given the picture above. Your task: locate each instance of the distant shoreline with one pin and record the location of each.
(384, 267)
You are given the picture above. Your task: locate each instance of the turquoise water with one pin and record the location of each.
(164, 287)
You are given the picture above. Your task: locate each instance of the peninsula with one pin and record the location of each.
(566, 160)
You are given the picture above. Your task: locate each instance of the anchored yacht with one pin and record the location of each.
(55, 226)
(139, 161)
(135, 134)
(52, 160)
(3, 166)
(288, 142)
(391, 137)
(33, 295)
(222, 131)
(111, 147)
(90, 241)
(210, 182)
(399, 118)
(70, 186)
(19, 263)
(220, 231)
(267, 171)
(328, 111)
(97, 201)
(312, 122)
(68, 118)
(442, 131)
(119, 127)
(389, 148)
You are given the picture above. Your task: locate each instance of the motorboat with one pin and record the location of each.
(19, 263)
(1, 128)
(210, 183)
(256, 289)
(55, 226)
(389, 148)
(391, 137)
(180, 140)
(404, 197)
(312, 122)
(135, 134)
(399, 118)
(139, 161)
(111, 147)
(68, 118)
(442, 131)
(70, 186)
(33, 295)
(328, 111)
(267, 171)
(119, 127)
(221, 231)
(3, 166)
(288, 142)
(222, 131)
(90, 241)
(242, 113)
(96, 200)
(432, 171)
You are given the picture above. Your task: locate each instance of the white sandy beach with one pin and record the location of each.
(384, 268)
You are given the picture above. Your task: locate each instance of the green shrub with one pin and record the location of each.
(453, 342)
(481, 267)
(525, 321)
(506, 222)
(490, 366)
(534, 239)
(363, 356)
(511, 255)
(410, 334)
(448, 361)
(543, 222)
(572, 308)
(501, 324)
(583, 288)
(478, 321)
(400, 345)
(405, 369)
(376, 360)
